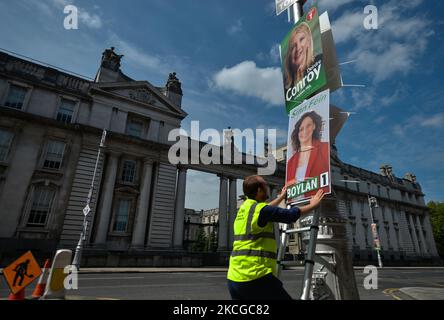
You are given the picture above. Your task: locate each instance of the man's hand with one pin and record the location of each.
(314, 202)
(316, 199)
(280, 198)
(283, 193)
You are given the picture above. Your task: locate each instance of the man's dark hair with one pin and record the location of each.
(252, 184)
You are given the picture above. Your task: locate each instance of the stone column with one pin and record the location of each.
(429, 233)
(139, 228)
(414, 237)
(381, 232)
(232, 211)
(107, 199)
(180, 208)
(392, 235)
(222, 232)
(421, 237)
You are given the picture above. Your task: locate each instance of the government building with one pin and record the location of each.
(51, 125)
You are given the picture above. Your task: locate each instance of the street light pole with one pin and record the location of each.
(372, 202)
(78, 254)
(296, 11)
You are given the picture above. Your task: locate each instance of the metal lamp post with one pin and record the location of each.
(78, 254)
(372, 202)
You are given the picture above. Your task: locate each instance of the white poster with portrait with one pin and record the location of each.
(308, 149)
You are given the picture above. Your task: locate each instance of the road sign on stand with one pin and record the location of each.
(22, 272)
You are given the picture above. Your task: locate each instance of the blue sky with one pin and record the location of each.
(225, 53)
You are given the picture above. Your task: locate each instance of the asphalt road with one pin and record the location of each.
(212, 285)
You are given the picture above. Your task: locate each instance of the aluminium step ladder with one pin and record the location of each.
(308, 287)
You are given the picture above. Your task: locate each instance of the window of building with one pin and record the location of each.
(362, 208)
(16, 97)
(134, 128)
(5, 144)
(383, 213)
(54, 154)
(379, 190)
(366, 234)
(353, 230)
(66, 111)
(369, 187)
(348, 204)
(387, 232)
(122, 215)
(128, 171)
(41, 206)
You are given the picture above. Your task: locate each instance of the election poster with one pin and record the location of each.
(302, 60)
(308, 149)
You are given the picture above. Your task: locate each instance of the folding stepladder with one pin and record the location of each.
(310, 257)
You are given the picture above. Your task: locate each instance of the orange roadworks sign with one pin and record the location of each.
(22, 272)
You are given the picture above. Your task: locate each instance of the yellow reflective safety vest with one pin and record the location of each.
(254, 248)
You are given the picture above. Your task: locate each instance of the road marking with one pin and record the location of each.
(390, 291)
(117, 278)
(153, 285)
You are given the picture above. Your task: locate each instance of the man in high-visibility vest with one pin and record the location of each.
(252, 270)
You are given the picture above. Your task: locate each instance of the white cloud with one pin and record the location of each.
(395, 59)
(391, 50)
(272, 56)
(275, 54)
(136, 56)
(433, 121)
(333, 4)
(363, 98)
(91, 20)
(247, 79)
(379, 119)
(347, 26)
(388, 100)
(236, 27)
(414, 123)
(399, 130)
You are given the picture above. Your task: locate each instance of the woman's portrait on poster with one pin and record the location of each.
(310, 156)
(299, 56)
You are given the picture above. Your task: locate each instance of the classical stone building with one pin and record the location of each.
(51, 123)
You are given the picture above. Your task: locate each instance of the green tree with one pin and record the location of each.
(201, 242)
(213, 240)
(437, 221)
